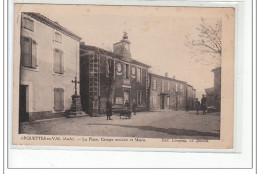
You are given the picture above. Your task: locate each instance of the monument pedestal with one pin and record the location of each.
(76, 109)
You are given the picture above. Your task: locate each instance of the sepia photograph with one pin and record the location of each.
(123, 76)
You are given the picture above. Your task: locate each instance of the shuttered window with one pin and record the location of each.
(154, 84)
(28, 52)
(162, 86)
(139, 74)
(58, 62)
(168, 101)
(58, 99)
(28, 24)
(126, 71)
(139, 97)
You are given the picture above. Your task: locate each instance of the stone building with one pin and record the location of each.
(194, 97)
(190, 97)
(49, 60)
(116, 74)
(210, 96)
(217, 87)
(166, 93)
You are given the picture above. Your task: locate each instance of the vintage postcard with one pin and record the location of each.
(123, 76)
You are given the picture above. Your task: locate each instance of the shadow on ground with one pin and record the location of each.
(171, 131)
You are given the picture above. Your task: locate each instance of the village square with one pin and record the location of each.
(69, 87)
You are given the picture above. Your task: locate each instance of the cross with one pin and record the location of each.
(75, 82)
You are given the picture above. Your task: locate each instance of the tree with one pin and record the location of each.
(207, 44)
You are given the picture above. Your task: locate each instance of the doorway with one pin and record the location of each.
(162, 101)
(23, 100)
(126, 96)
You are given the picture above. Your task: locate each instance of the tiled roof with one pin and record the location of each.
(109, 53)
(167, 78)
(52, 24)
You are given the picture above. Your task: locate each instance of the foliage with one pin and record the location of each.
(207, 42)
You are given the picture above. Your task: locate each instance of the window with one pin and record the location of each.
(126, 71)
(57, 37)
(28, 52)
(168, 87)
(58, 62)
(168, 101)
(139, 97)
(154, 101)
(58, 99)
(28, 24)
(154, 84)
(162, 86)
(181, 88)
(176, 89)
(139, 75)
(107, 68)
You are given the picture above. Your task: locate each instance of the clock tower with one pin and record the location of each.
(122, 48)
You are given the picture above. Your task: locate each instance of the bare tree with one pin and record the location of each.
(207, 42)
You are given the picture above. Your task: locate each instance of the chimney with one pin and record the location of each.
(82, 43)
(173, 77)
(166, 74)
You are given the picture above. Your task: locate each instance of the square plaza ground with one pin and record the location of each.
(166, 124)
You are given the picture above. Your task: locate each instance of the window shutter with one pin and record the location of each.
(61, 63)
(138, 75)
(141, 75)
(56, 63)
(26, 52)
(56, 99)
(26, 23)
(34, 63)
(125, 71)
(61, 99)
(31, 25)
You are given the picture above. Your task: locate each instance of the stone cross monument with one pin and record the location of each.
(76, 109)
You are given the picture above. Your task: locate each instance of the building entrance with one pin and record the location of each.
(126, 96)
(23, 113)
(162, 101)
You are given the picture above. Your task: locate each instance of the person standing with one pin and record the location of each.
(134, 105)
(109, 109)
(204, 104)
(197, 105)
(127, 104)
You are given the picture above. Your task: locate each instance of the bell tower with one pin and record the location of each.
(122, 48)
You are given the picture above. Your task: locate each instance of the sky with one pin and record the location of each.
(157, 35)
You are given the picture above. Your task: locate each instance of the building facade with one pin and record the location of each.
(210, 96)
(190, 97)
(116, 75)
(166, 93)
(49, 60)
(217, 87)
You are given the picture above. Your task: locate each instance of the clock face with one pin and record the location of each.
(133, 70)
(119, 68)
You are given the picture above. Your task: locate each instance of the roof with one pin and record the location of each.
(190, 85)
(167, 78)
(140, 63)
(52, 24)
(109, 53)
(100, 50)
